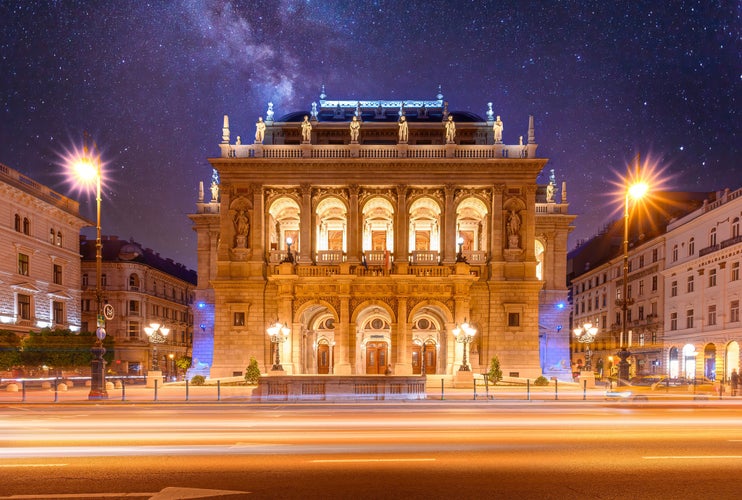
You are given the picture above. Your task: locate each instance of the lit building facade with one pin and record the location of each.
(39, 256)
(703, 290)
(143, 288)
(370, 230)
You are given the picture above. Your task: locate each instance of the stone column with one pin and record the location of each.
(257, 234)
(344, 340)
(496, 229)
(529, 223)
(305, 252)
(403, 365)
(450, 234)
(354, 227)
(401, 250)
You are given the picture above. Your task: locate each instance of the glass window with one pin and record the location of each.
(690, 285)
(712, 277)
(689, 318)
(134, 307)
(712, 315)
(239, 319)
(712, 237)
(23, 264)
(674, 289)
(134, 329)
(58, 311)
(18, 223)
(513, 319)
(57, 274)
(674, 253)
(735, 271)
(24, 306)
(692, 246)
(734, 311)
(654, 283)
(26, 226)
(673, 321)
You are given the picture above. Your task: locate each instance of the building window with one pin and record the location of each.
(692, 246)
(641, 261)
(134, 282)
(133, 329)
(674, 253)
(655, 255)
(735, 272)
(674, 289)
(712, 277)
(641, 313)
(85, 305)
(23, 264)
(239, 319)
(59, 238)
(628, 292)
(654, 283)
(604, 299)
(690, 286)
(514, 319)
(735, 227)
(641, 288)
(103, 280)
(596, 302)
(17, 223)
(673, 321)
(51, 236)
(24, 306)
(689, 318)
(712, 237)
(134, 307)
(58, 311)
(618, 318)
(26, 226)
(734, 311)
(712, 315)
(57, 271)
(85, 280)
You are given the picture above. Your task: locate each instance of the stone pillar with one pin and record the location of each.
(450, 234)
(305, 230)
(496, 229)
(344, 340)
(257, 220)
(354, 227)
(529, 223)
(401, 250)
(403, 365)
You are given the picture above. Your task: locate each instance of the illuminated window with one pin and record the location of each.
(24, 306)
(23, 264)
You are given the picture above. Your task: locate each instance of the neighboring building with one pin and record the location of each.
(143, 288)
(358, 246)
(664, 249)
(703, 292)
(39, 256)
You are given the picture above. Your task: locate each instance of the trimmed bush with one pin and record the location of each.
(495, 373)
(198, 380)
(541, 381)
(252, 372)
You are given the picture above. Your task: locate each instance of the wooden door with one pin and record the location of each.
(431, 359)
(323, 359)
(416, 367)
(376, 358)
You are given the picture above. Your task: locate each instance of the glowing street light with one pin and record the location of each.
(278, 334)
(464, 335)
(157, 335)
(87, 170)
(635, 191)
(289, 255)
(585, 334)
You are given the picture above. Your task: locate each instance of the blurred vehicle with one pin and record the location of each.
(658, 387)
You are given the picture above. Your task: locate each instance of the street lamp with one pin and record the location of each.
(171, 367)
(278, 334)
(585, 334)
(464, 335)
(289, 255)
(157, 335)
(460, 256)
(87, 170)
(634, 191)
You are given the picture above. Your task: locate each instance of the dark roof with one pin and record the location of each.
(117, 250)
(389, 116)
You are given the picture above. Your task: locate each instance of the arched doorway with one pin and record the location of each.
(324, 357)
(689, 361)
(374, 341)
(709, 362)
(424, 358)
(673, 365)
(731, 360)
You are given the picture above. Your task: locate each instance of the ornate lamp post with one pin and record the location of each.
(87, 169)
(634, 191)
(289, 255)
(464, 335)
(278, 334)
(157, 334)
(460, 256)
(585, 334)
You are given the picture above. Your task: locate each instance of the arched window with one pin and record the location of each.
(674, 253)
(735, 227)
(712, 237)
(51, 236)
(59, 238)
(692, 247)
(134, 282)
(26, 226)
(18, 223)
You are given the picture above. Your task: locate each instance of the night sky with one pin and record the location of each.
(150, 82)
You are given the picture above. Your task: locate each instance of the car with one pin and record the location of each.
(659, 387)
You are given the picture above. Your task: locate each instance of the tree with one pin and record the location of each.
(495, 373)
(252, 373)
(10, 353)
(183, 363)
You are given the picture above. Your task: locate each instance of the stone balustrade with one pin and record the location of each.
(339, 387)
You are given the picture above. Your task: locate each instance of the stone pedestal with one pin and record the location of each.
(153, 375)
(589, 377)
(463, 379)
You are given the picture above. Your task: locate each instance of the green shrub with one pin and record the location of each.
(541, 381)
(252, 373)
(198, 380)
(495, 373)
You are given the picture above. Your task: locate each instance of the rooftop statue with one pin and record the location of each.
(269, 113)
(497, 127)
(306, 130)
(259, 131)
(355, 128)
(450, 130)
(403, 130)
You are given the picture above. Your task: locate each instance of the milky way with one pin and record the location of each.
(150, 82)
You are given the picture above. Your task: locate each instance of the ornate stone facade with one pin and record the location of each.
(372, 251)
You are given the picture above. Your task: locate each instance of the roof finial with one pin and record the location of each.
(531, 131)
(225, 130)
(322, 95)
(440, 93)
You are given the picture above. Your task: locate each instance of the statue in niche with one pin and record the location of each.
(497, 128)
(355, 128)
(214, 192)
(259, 131)
(403, 130)
(513, 230)
(306, 130)
(550, 193)
(450, 130)
(242, 226)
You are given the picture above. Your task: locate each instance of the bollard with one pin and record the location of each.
(155, 389)
(528, 389)
(123, 390)
(56, 393)
(218, 390)
(475, 389)
(556, 389)
(486, 386)
(584, 390)
(186, 389)
(23, 391)
(441, 389)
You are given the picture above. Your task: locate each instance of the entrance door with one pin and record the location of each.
(376, 358)
(416, 367)
(323, 359)
(430, 358)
